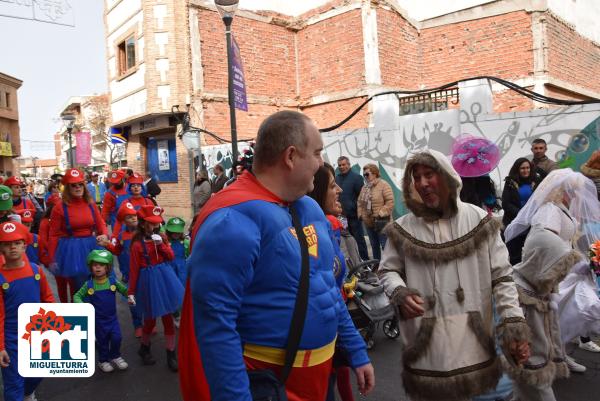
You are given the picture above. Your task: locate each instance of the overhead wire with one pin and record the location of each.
(537, 97)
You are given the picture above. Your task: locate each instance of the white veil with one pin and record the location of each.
(583, 206)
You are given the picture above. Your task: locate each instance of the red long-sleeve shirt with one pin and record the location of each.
(81, 219)
(109, 202)
(15, 274)
(115, 247)
(43, 236)
(157, 253)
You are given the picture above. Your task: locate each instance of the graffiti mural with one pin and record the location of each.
(572, 134)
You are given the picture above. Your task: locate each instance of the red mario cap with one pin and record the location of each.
(26, 215)
(13, 231)
(13, 180)
(116, 176)
(135, 179)
(151, 214)
(73, 176)
(125, 210)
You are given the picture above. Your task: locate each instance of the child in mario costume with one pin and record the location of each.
(153, 283)
(33, 249)
(20, 282)
(114, 197)
(119, 245)
(100, 291)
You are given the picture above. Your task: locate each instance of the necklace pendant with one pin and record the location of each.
(460, 295)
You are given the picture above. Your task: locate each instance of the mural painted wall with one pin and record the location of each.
(572, 134)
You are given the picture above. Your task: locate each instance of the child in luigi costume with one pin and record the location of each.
(100, 291)
(180, 245)
(20, 282)
(6, 203)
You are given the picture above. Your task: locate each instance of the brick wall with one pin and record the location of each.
(560, 93)
(571, 57)
(508, 101)
(500, 46)
(328, 114)
(268, 54)
(399, 51)
(331, 55)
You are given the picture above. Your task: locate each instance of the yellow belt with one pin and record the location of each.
(276, 356)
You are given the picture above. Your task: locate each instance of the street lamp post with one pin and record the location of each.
(226, 9)
(69, 121)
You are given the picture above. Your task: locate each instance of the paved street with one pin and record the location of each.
(157, 383)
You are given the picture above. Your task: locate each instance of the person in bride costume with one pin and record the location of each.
(566, 204)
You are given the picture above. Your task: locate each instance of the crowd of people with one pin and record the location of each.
(488, 307)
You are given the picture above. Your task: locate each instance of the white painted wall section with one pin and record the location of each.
(160, 12)
(121, 13)
(582, 14)
(162, 66)
(371, 45)
(162, 40)
(196, 52)
(134, 23)
(164, 92)
(127, 85)
(130, 106)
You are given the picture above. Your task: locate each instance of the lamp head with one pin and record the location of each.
(226, 8)
(68, 120)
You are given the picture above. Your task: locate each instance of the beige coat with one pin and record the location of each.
(382, 202)
(457, 264)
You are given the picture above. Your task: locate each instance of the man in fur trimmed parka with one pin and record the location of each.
(442, 265)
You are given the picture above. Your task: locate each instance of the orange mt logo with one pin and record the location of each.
(311, 239)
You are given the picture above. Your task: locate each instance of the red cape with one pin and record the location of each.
(191, 371)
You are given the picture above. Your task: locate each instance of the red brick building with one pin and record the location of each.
(324, 62)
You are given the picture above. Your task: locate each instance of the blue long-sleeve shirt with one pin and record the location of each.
(244, 271)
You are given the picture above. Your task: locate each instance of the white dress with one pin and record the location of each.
(578, 302)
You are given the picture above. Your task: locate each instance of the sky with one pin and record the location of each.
(54, 62)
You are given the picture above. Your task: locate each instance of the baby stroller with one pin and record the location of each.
(368, 304)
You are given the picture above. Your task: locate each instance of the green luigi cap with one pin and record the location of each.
(100, 256)
(6, 202)
(175, 225)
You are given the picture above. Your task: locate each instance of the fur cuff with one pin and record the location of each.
(536, 376)
(513, 329)
(402, 292)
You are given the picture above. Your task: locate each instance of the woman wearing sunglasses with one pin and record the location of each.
(375, 205)
(76, 226)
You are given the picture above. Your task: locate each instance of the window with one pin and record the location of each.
(126, 50)
(7, 103)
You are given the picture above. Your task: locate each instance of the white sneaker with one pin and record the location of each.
(589, 346)
(574, 366)
(120, 363)
(30, 397)
(106, 367)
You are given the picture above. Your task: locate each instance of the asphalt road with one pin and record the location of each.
(157, 383)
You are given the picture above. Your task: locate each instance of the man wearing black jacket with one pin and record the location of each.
(152, 187)
(351, 184)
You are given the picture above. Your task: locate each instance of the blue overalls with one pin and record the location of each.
(33, 250)
(15, 293)
(179, 261)
(119, 199)
(108, 332)
(136, 315)
(72, 252)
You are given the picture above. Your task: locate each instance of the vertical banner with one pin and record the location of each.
(83, 151)
(239, 84)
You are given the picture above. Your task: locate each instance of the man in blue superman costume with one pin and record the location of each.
(243, 278)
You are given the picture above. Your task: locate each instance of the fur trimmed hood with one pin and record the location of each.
(442, 165)
(546, 260)
(590, 172)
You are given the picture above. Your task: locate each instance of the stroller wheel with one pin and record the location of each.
(390, 328)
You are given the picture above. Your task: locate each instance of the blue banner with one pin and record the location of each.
(239, 84)
(117, 135)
